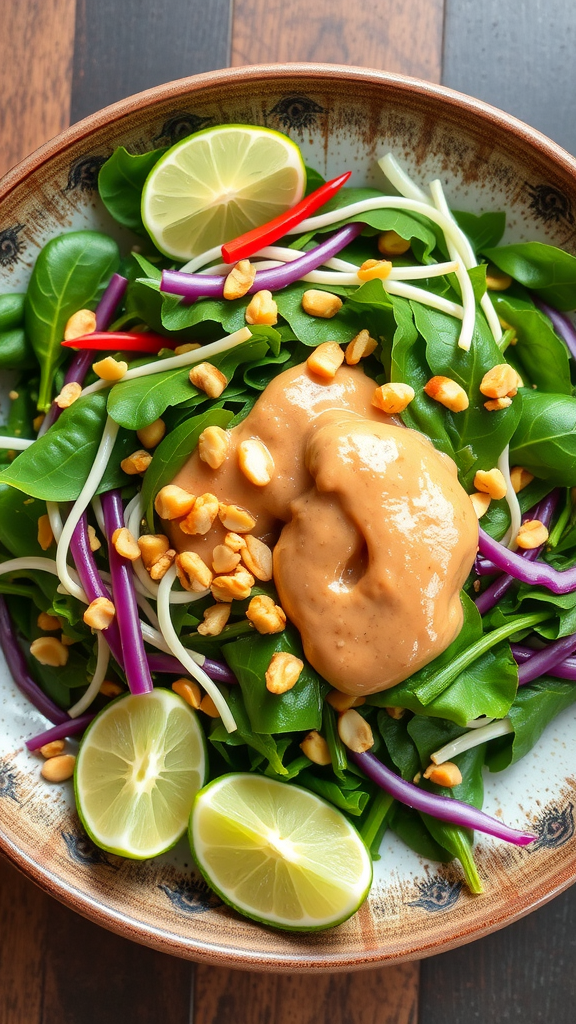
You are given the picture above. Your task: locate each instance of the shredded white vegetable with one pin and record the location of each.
(512, 501)
(184, 655)
(133, 519)
(455, 250)
(99, 513)
(17, 444)
(349, 277)
(471, 739)
(97, 679)
(53, 510)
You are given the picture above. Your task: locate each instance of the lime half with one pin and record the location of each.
(217, 184)
(278, 853)
(139, 767)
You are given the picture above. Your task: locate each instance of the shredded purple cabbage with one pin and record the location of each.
(565, 669)
(196, 286)
(70, 727)
(217, 671)
(445, 808)
(520, 568)
(545, 661)
(17, 664)
(561, 323)
(93, 584)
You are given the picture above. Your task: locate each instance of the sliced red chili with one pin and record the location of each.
(120, 341)
(246, 245)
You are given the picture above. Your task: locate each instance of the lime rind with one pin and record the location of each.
(317, 870)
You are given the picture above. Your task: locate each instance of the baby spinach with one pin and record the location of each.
(313, 330)
(482, 230)
(544, 269)
(351, 801)
(68, 275)
(535, 706)
(399, 744)
(540, 353)
(12, 311)
(262, 743)
(410, 828)
(410, 226)
(544, 441)
(16, 353)
(176, 316)
(120, 185)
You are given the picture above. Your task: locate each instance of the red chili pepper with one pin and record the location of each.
(120, 341)
(246, 245)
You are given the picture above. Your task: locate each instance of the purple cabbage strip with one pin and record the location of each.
(196, 286)
(217, 671)
(124, 597)
(92, 583)
(560, 322)
(544, 661)
(68, 728)
(83, 360)
(445, 808)
(17, 664)
(540, 573)
(561, 670)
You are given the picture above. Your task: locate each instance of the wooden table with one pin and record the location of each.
(59, 61)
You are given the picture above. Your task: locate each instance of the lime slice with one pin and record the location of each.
(217, 184)
(278, 853)
(139, 767)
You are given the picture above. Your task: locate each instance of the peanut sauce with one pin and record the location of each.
(373, 534)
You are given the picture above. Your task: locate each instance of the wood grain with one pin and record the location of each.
(36, 43)
(385, 996)
(401, 35)
(23, 917)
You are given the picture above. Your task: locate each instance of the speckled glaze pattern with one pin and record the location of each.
(343, 118)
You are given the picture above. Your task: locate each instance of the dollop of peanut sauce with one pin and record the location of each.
(373, 534)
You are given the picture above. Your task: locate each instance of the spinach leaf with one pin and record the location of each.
(350, 801)
(399, 744)
(313, 330)
(540, 353)
(410, 828)
(410, 226)
(171, 454)
(262, 743)
(16, 353)
(68, 275)
(120, 185)
(297, 710)
(482, 230)
(314, 180)
(19, 517)
(545, 439)
(535, 706)
(544, 269)
(12, 311)
(176, 316)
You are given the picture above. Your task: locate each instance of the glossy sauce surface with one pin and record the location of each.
(375, 536)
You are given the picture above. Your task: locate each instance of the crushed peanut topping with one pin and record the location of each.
(532, 534)
(224, 560)
(240, 280)
(372, 270)
(481, 502)
(111, 689)
(342, 701)
(202, 515)
(500, 381)
(152, 547)
(315, 748)
(360, 347)
(69, 394)
(59, 768)
(393, 398)
(520, 478)
(322, 304)
(136, 463)
(213, 445)
(232, 588)
(49, 623)
(45, 535)
(48, 650)
(193, 572)
(497, 280)
(80, 323)
(390, 243)
(162, 564)
(255, 461)
(262, 309)
(151, 435)
(283, 672)
(99, 613)
(52, 749)
(125, 545)
(189, 690)
(94, 541)
(236, 518)
(494, 404)
(208, 378)
(172, 502)
(354, 731)
(448, 392)
(110, 369)
(215, 618)
(257, 558)
(326, 360)
(492, 482)
(265, 615)
(447, 774)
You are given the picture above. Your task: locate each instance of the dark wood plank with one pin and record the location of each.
(402, 35)
(35, 75)
(24, 914)
(518, 56)
(385, 996)
(124, 46)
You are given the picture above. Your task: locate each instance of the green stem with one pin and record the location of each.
(335, 745)
(377, 815)
(433, 687)
(561, 523)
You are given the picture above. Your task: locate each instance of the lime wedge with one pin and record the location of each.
(139, 767)
(217, 184)
(278, 853)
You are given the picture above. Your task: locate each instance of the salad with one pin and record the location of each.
(162, 488)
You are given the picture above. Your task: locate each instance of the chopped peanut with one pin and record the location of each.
(447, 774)
(262, 309)
(151, 435)
(396, 713)
(234, 541)
(265, 615)
(390, 243)
(360, 347)
(208, 378)
(374, 270)
(342, 701)
(52, 749)
(315, 748)
(393, 398)
(125, 545)
(213, 445)
(13, 395)
(355, 732)
(532, 534)
(448, 392)
(208, 706)
(81, 322)
(232, 588)
(500, 381)
(494, 404)
(201, 517)
(497, 280)
(215, 618)
(59, 768)
(224, 560)
(99, 613)
(38, 421)
(520, 478)
(190, 346)
(480, 500)
(189, 690)
(110, 369)
(193, 572)
(136, 463)
(45, 535)
(257, 558)
(239, 280)
(48, 650)
(162, 564)
(152, 547)
(255, 461)
(323, 304)
(68, 395)
(236, 518)
(172, 502)
(93, 540)
(283, 672)
(492, 482)
(325, 360)
(110, 689)
(67, 640)
(49, 623)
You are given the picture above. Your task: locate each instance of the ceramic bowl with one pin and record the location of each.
(343, 118)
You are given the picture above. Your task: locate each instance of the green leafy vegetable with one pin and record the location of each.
(545, 439)
(120, 185)
(535, 706)
(11, 311)
(482, 230)
(544, 269)
(541, 355)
